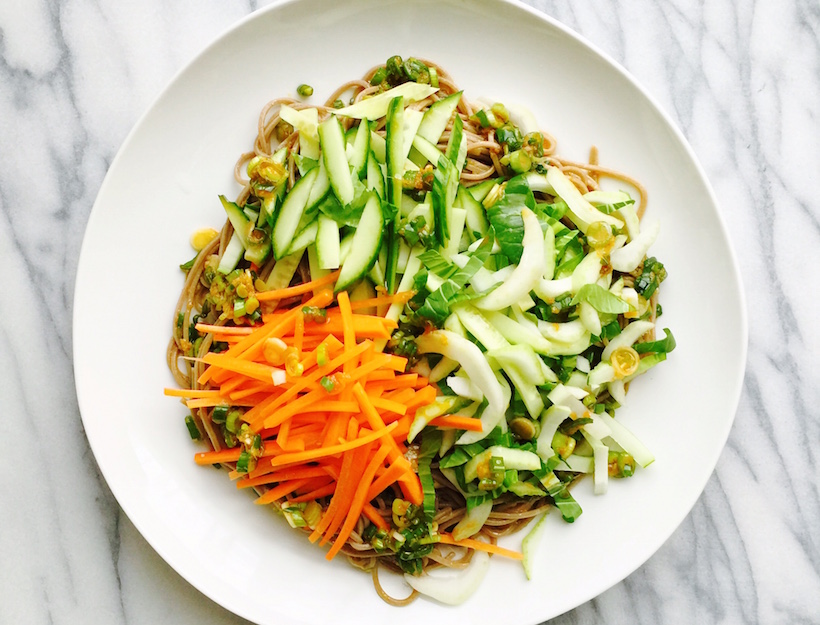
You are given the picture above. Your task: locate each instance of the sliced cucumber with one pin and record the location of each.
(291, 213)
(477, 224)
(395, 157)
(316, 271)
(437, 116)
(376, 106)
(327, 243)
(305, 121)
(320, 187)
(333, 154)
(360, 150)
(378, 146)
(304, 238)
(345, 246)
(410, 125)
(283, 271)
(445, 187)
(242, 225)
(365, 247)
(457, 145)
(232, 254)
(426, 149)
(480, 190)
(375, 176)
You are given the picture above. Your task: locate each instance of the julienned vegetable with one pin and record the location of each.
(416, 325)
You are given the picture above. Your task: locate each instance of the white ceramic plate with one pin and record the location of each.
(164, 184)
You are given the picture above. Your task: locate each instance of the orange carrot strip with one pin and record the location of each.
(206, 402)
(409, 482)
(373, 514)
(299, 331)
(390, 406)
(312, 377)
(402, 428)
(252, 345)
(347, 327)
(331, 405)
(255, 370)
(335, 426)
(217, 457)
(331, 450)
(281, 476)
(422, 397)
(399, 467)
(347, 467)
(400, 395)
(381, 375)
(346, 490)
(192, 393)
(284, 433)
(364, 326)
(458, 423)
(408, 380)
(294, 407)
(356, 505)
(225, 330)
(471, 543)
(299, 289)
(322, 491)
(422, 382)
(280, 491)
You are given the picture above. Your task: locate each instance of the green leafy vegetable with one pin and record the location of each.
(600, 299)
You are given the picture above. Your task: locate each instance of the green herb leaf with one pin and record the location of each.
(601, 299)
(662, 346)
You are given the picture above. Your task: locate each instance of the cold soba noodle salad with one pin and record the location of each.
(414, 329)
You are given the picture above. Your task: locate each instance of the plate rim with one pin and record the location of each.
(550, 21)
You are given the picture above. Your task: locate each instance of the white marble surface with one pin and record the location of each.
(740, 78)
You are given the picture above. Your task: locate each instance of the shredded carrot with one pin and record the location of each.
(471, 543)
(331, 450)
(301, 289)
(192, 393)
(458, 423)
(377, 519)
(217, 457)
(345, 445)
(280, 491)
(356, 505)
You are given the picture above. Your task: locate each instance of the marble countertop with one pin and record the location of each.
(742, 81)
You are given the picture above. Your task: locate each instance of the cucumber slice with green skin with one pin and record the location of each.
(306, 237)
(344, 247)
(427, 150)
(232, 255)
(437, 116)
(242, 225)
(375, 177)
(255, 242)
(457, 145)
(361, 149)
(320, 187)
(445, 187)
(328, 243)
(395, 158)
(477, 224)
(333, 154)
(283, 271)
(365, 247)
(480, 190)
(411, 120)
(378, 146)
(377, 106)
(291, 213)
(316, 271)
